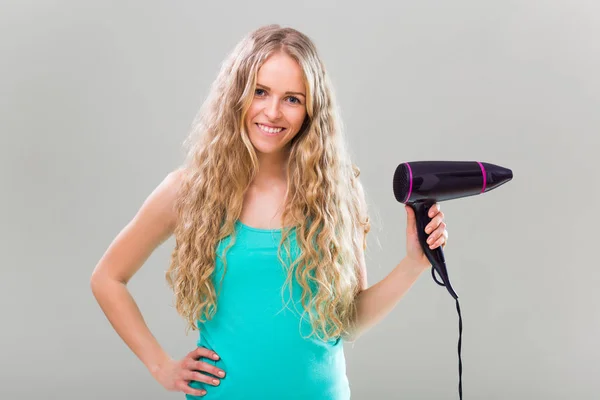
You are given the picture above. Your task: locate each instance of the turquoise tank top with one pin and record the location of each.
(260, 333)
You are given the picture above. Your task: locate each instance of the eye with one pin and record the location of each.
(297, 101)
(258, 90)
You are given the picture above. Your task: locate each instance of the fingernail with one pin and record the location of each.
(221, 374)
(216, 357)
(215, 381)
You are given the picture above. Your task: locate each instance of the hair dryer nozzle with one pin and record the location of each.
(495, 175)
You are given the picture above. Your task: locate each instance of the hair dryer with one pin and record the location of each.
(420, 184)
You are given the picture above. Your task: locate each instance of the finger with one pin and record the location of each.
(434, 209)
(187, 389)
(203, 352)
(206, 367)
(199, 377)
(438, 233)
(439, 241)
(435, 223)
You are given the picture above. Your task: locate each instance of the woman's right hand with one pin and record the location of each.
(176, 375)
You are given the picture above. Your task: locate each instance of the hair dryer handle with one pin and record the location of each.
(435, 256)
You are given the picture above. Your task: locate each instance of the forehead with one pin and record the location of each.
(281, 71)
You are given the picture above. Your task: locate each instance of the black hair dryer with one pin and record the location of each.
(420, 184)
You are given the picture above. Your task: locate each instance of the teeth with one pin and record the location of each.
(270, 130)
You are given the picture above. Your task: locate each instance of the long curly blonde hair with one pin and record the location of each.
(324, 197)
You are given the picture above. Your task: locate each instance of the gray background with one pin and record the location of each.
(97, 96)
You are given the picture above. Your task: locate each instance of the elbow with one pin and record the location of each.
(96, 284)
(99, 282)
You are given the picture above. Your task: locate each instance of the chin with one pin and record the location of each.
(262, 149)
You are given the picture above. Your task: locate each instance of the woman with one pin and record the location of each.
(270, 222)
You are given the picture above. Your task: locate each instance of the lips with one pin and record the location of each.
(269, 126)
(270, 133)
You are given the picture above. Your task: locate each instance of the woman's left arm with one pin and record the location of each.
(375, 302)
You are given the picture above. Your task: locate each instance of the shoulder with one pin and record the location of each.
(174, 180)
(161, 201)
(172, 186)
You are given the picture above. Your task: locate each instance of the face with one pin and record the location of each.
(279, 105)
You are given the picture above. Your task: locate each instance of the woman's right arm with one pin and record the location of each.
(152, 225)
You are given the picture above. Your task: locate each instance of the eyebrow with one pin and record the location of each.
(296, 93)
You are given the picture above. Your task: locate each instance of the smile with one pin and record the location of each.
(270, 131)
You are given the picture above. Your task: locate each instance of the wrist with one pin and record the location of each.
(158, 364)
(416, 266)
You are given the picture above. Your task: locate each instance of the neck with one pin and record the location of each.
(271, 170)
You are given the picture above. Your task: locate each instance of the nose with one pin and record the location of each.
(272, 109)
